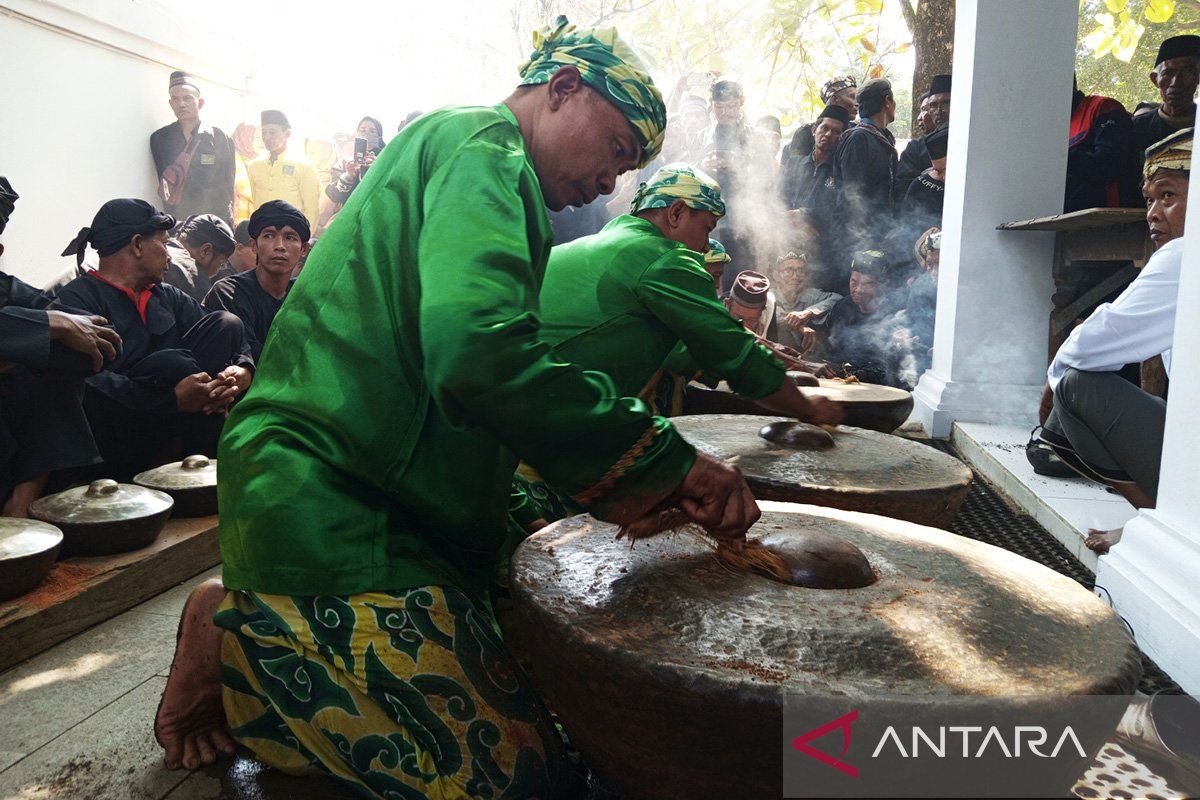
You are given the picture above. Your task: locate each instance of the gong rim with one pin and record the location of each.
(865, 470)
(1105, 658)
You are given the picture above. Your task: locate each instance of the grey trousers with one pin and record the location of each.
(1107, 428)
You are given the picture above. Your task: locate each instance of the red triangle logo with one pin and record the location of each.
(843, 724)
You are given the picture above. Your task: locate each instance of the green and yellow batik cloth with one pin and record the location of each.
(679, 181)
(609, 65)
(407, 694)
(717, 254)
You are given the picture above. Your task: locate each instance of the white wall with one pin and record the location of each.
(84, 86)
(994, 288)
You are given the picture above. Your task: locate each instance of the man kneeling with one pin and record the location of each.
(1098, 423)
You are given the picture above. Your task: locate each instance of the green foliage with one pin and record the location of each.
(1118, 40)
(782, 50)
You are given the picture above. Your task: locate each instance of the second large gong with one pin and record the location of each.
(863, 471)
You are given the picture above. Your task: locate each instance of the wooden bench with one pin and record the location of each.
(80, 592)
(1083, 238)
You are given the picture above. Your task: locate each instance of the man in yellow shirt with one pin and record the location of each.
(278, 175)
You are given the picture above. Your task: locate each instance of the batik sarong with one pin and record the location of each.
(399, 695)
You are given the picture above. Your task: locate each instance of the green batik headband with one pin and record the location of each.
(608, 65)
(679, 181)
(717, 254)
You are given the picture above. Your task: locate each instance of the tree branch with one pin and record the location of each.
(910, 16)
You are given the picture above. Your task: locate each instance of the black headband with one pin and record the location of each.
(115, 224)
(276, 214)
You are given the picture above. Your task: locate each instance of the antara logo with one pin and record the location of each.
(842, 723)
(1034, 737)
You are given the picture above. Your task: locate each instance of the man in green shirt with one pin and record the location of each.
(365, 483)
(620, 301)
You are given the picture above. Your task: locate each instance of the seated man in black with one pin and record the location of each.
(279, 235)
(196, 254)
(861, 327)
(44, 357)
(179, 368)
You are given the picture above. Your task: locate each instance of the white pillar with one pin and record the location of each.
(1153, 573)
(1013, 62)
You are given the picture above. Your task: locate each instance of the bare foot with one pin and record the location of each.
(190, 723)
(1101, 541)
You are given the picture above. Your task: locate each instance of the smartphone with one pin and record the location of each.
(360, 150)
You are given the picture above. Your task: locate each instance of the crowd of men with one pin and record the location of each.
(442, 380)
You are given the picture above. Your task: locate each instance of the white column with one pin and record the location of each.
(1013, 62)
(1153, 573)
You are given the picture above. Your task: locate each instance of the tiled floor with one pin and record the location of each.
(1066, 507)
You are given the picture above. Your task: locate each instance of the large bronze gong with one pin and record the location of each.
(866, 405)
(864, 470)
(668, 671)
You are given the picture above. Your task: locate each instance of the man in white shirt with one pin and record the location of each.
(1098, 423)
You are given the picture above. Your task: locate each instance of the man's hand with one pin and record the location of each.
(715, 496)
(1046, 406)
(823, 411)
(797, 320)
(792, 402)
(241, 376)
(87, 335)
(350, 171)
(820, 370)
(192, 393)
(904, 339)
(230, 384)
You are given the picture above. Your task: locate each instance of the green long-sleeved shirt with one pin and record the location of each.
(404, 376)
(621, 300)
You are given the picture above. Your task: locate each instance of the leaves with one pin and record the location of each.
(1159, 11)
(876, 71)
(1119, 28)
(1116, 35)
(867, 45)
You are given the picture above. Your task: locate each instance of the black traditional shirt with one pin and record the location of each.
(183, 273)
(209, 185)
(243, 296)
(913, 161)
(865, 167)
(154, 320)
(864, 341)
(1152, 127)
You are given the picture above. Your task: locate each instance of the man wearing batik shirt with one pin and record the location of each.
(366, 476)
(1101, 425)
